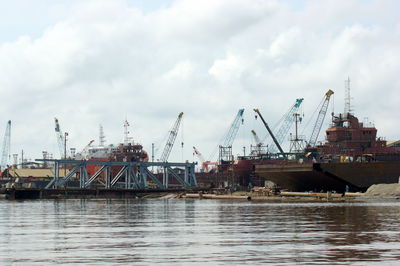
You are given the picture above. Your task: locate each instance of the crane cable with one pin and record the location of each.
(312, 116)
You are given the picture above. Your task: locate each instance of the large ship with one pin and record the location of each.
(352, 159)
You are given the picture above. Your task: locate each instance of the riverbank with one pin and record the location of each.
(375, 192)
(281, 197)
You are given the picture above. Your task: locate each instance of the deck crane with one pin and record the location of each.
(171, 139)
(270, 132)
(60, 138)
(320, 118)
(225, 149)
(6, 146)
(288, 120)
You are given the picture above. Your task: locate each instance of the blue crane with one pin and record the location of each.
(225, 146)
(287, 122)
(231, 134)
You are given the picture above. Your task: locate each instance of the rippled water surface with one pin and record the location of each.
(192, 231)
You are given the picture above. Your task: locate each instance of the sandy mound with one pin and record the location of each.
(383, 190)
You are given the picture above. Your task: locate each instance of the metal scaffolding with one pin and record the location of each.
(132, 175)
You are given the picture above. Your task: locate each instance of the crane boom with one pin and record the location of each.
(198, 154)
(6, 146)
(320, 118)
(60, 138)
(231, 135)
(171, 139)
(288, 120)
(256, 138)
(204, 163)
(225, 146)
(270, 132)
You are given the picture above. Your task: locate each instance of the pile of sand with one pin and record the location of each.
(383, 190)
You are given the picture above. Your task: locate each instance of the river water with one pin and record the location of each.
(198, 232)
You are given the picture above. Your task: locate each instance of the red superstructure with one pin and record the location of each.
(348, 137)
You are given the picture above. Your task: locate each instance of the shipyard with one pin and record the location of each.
(351, 159)
(184, 132)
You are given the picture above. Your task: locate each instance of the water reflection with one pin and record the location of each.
(177, 231)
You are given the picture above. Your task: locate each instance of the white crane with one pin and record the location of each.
(60, 139)
(6, 146)
(320, 118)
(204, 163)
(171, 139)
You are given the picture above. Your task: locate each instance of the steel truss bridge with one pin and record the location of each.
(133, 175)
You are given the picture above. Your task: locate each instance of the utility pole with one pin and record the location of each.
(22, 159)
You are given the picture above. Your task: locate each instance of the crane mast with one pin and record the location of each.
(6, 146)
(171, 139)
(270, 132)
(288, 120)
(320, 118)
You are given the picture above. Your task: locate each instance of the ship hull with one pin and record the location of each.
(355, 176)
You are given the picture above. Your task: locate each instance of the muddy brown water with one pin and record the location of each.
(198, 232)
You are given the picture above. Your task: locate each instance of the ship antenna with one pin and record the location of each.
(347, 106)
(102, 138)
(127, 139)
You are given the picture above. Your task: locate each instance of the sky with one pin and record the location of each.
(92, 62)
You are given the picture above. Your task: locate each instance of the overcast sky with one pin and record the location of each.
(99, 62)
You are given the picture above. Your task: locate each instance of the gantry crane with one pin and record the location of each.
(171, 139)
(225, 148)
(288, 120)
(270, 132)
(5, 157)
(320, 118)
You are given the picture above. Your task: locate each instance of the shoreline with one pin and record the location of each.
(287, 197)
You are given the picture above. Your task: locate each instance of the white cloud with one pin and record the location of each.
(181, 70)
(105, 60)
(226, 69)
